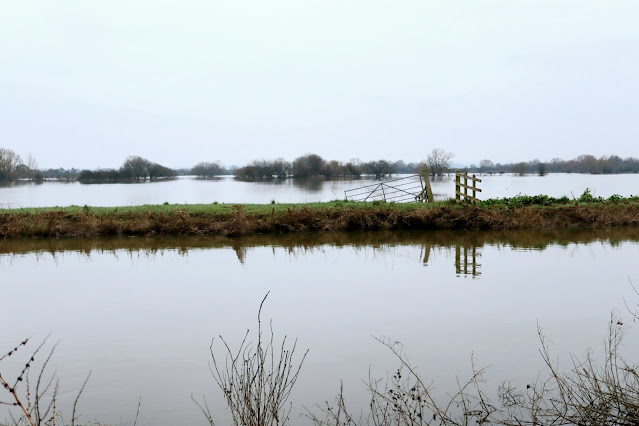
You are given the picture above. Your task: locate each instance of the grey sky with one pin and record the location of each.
(86, 83)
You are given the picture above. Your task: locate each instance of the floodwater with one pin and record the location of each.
(140, 313)
(188, 190)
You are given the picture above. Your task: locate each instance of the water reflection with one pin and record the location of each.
(467, 246)
(20, 183)
(467, 264)
(311, 184)
(140, 312)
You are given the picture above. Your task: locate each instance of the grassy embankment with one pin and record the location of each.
(523, 212)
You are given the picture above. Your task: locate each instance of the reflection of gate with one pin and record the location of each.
(402, 190)
(466, 258)
(467, 265)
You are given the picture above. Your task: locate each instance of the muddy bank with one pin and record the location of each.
(238, 222)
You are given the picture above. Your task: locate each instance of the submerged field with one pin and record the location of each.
(524, 212)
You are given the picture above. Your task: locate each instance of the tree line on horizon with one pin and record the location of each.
(587, 164)
(138, 169)
(438, 162)
(134, 169)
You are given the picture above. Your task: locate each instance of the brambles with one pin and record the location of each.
(546, 201)
(525, 200)
(587, 197)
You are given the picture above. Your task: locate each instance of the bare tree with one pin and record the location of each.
(486, 166)
(136, 168)
(541, 169)
(281, 168)
(379, 168)
(439, 161)
(31, 162)
(520, 169)
(158, 171)
(309, 165)
(206, 170)
(9, 164)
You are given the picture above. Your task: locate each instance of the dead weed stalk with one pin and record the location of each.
(590, 392)
(32, 395)
(256, 380)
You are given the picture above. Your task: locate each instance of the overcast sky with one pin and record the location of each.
(87, 83)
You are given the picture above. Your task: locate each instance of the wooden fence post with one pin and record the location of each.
(466, 187)
(474, 189)
(464, 196)
(429, 190)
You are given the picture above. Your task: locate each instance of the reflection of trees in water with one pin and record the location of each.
(240, 252)
(310, 184)
(11, 184)
(443, 178)
(465, 245)
(209, 178)
(316, 183)
(270, 181)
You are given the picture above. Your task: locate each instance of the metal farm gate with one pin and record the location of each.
(409, 189)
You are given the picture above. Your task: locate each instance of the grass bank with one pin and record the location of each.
(536, 213)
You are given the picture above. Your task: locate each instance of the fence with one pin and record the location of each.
(402, 190)
(463, 196)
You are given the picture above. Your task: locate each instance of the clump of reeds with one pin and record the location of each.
(256, 379)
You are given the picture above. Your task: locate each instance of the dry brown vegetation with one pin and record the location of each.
(589, 392)
(237, 222)
(256, 380)
(592, 391)
(32, 395)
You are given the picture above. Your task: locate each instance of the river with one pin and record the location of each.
(140, 313)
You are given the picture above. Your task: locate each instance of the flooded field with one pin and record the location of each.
(140, 313)
(187, 190)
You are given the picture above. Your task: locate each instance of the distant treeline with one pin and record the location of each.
(313, 165)
(137, 169)
(589, 164)
(134, 169)
(12, 167)
(438, 162)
